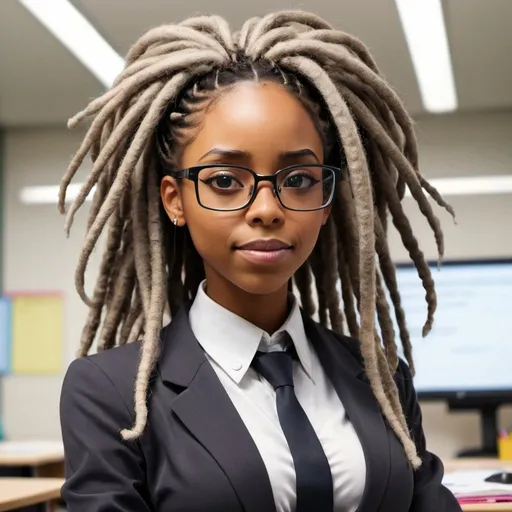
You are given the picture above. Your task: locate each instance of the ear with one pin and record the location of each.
(170, 193)
(326, 213)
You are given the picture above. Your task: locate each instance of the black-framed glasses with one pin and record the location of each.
(301, 187)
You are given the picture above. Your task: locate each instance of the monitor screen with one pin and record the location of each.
(469, 350)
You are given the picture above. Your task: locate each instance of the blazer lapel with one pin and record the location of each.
(206, 410)
(343, 366)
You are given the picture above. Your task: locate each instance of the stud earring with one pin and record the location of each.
(175, 221)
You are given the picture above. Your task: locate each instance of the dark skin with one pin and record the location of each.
(263, 127)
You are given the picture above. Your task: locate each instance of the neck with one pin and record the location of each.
(268, 312)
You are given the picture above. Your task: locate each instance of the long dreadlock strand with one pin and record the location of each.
(347, 293)
(140, 233)
(303, 282)
(386, 325)
(317, 267)
(124, 282)
(386, 193)
(134, 312)
(389, 275)
(113, 242)
(348, 254)
(329, 249)
(156, 309)
(404, 228)
(436, 196)
(107, 176)
(393, 396)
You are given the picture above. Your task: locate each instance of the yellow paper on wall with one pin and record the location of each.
(37, 334)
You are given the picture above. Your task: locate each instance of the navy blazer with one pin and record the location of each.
(197, 455)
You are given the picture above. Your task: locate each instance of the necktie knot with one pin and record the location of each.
(275, 367)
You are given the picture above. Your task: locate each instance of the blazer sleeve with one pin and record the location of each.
(103, 472)
(429, 493)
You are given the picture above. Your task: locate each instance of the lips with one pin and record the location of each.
(265, 246)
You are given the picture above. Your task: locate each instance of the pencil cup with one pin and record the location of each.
(505, 448)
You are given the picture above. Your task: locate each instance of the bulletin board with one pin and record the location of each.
(37, 333)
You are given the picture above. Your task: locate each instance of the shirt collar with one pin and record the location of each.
(232, 342)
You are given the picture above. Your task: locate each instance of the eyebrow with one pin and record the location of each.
(240, 154)
(299, 153)
(230, 153)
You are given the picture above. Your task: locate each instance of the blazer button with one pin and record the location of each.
(237, 366)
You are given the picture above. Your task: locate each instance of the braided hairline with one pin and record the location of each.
(195, 56)
(205, 91)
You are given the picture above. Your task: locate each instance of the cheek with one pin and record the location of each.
(210, 231)
(306, 228)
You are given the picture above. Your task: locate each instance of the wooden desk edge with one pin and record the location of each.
(30, 460)
(35, 495)
(488, 507)
(470, 464)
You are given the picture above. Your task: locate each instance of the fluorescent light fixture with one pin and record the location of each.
(472, 185)
(75, 32)
(425, 33)
(50, 194)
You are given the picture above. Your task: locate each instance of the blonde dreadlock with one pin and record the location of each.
(172, 73)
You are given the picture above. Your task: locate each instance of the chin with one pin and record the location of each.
(261, 284)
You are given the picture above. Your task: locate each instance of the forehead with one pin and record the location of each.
(263, 119)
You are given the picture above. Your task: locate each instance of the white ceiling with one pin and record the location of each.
(42, 83)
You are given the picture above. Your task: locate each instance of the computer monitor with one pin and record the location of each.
(467, 357)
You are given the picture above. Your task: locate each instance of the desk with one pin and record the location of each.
(469, 464)
(495, 507)
(476, 464)
(41, 459)
(24, 492)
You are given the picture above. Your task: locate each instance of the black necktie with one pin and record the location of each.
(314, 479)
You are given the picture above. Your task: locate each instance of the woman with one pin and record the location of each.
(231, 170)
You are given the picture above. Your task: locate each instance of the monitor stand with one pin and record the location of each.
(489, 428)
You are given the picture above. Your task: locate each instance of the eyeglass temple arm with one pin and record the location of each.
(183, 173)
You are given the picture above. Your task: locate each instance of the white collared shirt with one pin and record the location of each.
(230, 344)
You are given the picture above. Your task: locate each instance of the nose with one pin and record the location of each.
(265, 208)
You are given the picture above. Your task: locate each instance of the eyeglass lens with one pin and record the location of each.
(303, 188)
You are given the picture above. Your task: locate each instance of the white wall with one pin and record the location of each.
(38, 256)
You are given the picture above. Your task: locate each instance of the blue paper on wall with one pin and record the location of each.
(5, 335)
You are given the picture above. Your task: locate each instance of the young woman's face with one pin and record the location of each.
(262, 127)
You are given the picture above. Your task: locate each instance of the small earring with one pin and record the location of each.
(175, 221)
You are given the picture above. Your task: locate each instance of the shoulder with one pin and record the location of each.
(118, 361)
(107, 373)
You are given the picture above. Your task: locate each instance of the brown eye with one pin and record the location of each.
(300, 180)
(223, 182)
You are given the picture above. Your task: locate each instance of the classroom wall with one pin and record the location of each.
(39, 257)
